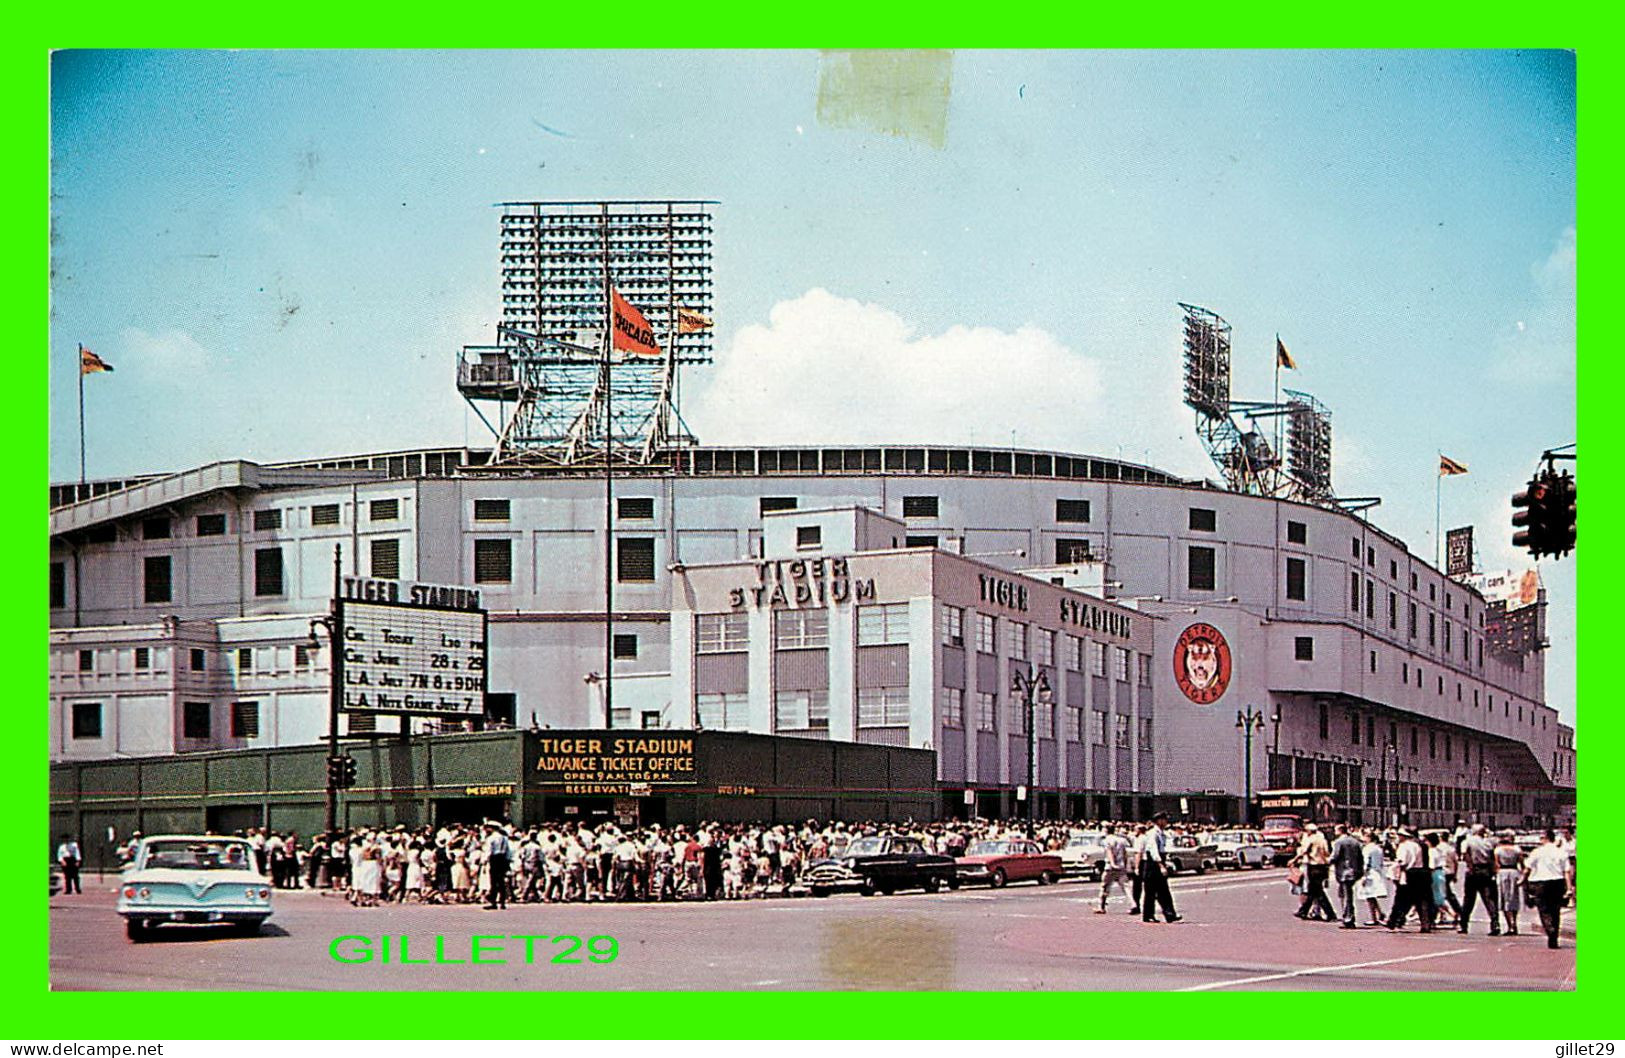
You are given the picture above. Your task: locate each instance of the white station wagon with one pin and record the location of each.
(185, 879)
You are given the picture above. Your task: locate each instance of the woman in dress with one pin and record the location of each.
(1509, 879)
(414, 871)
(393, 858)
(1373, 884)
(370, 876)
(461, 882)
(1436, 863)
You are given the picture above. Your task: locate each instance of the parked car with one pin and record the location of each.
(1242, 848)
(57, 881)
(1185, 853)
(1282, 831)
(882, 864)
(186, 879)
(1084, 854)
(998, 863)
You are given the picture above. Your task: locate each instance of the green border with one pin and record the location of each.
(35, 1012)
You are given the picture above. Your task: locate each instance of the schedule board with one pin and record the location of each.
(406, 657)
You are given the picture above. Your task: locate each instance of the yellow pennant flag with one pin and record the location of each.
(1282, 357)
(689, 321)
(90, 363)
(1449, 467)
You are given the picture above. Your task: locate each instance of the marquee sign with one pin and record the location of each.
(416, 650)
(1202, 663)
(627, 766)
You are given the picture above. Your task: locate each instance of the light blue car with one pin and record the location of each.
(192, 880)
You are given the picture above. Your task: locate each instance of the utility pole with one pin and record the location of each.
(1249, 721)
(1033, 687)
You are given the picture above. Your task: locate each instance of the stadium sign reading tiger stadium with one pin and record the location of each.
(613, 765)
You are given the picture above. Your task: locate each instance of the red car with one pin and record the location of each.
(1007, 860)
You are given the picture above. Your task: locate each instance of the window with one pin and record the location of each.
(1097, 727)
(1356, 542)
(1447, 636)
(104, 533)
(809, 536)
(195, 720)
(155, 529)
(1325, 722)
(1449, 601)
(1199, 570)
(1044, 646)
(651, 719)
(1015, 640)
(268, 571)
(270, 518)
(794, 629)
(1074, 724)
(953, 707)
(1393, 610)
(155, 578)
(1413, 741)
(1458, 691)
(1433, 744)
(768, 504)
(1413, 582)
(1370, 598)
(920, 541)
(1074, 653)
(801, 710)
(87, 719)
(1441, 685)
(245, 659)
(1393, 570)
(1373, 667)
(198, 660)
(1122, 730)
(1297, 533)
(953, 626)
(1393, 733)
(883, 707)
(624, 647)
(384, 510)
(886, 623)
(245, 719)
(1371, 731)
(490, 510)
(1203, 520)
(1071, 549)
(301, 655)
(1433, 593)
(324, 514)
(1145, 733)
(1354, 728)
(1447, 748)
(59, 585)
(635, 507)
(386, 559)
(87, 660)
(919, 506)
(211, 525)
(1371, 556)
(1354, 592)
(1097, 658)
(1404, 672)
(986, 639)
(721, 633)
(1303, 648)
(1412, 623)
(635, 560)
(1295, 588)
(1120, 664)
(1432, 627)
(722, 712)
(987, 704)
(1145, 670)
(1071, 510)
(493, 561)
(143, 657)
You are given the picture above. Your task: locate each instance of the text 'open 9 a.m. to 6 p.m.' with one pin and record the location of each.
(408, 660)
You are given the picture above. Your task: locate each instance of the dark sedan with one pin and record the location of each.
(882, 865)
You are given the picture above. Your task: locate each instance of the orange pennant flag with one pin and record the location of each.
(632, 333)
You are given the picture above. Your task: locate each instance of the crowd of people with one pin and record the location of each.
(1420, 871)
(496, 863)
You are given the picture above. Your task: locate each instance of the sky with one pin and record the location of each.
(282, 253)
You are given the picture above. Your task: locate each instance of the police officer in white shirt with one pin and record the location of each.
(1153, 855)
(497, 851)
(67, 854)
(1547, 869)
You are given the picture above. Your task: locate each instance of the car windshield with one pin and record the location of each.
(990, 848)
(1281, 822)
(864, 847)
(1083, 839)
(199, 855)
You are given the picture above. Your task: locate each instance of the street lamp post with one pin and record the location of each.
(1382, 778)
(1033, 688)
(1248, 722)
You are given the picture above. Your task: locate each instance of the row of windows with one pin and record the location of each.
(197, 659)
(634, 560)
(197, 720)
(886, 623)
(1303, 649)
(157, 580)
(265, 519)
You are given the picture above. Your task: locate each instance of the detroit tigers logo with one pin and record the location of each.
(1202, 663)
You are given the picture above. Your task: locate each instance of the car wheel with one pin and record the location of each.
(997, 878)
(249, 927)
(953, 883)
(888, 890)
(136, 930)
(820, 891)
(1174, 867)
(1047, 878)
(868, 888)
(932, 884)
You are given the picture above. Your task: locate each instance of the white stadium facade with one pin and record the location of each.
(183, 605)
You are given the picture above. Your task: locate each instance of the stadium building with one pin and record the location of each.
(636, 580)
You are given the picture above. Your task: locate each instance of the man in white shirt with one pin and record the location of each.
(1549, 871)
(1114, 870)
(67, 854)
(1416, 885)
(497, 851)
(1153, 855)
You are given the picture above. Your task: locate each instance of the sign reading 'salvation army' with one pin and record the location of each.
(417, 650)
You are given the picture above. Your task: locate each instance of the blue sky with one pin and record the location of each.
(281, 253)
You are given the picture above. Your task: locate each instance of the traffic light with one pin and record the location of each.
(349, 772)
(1529, 512)
(335, 773)
(1560, 517)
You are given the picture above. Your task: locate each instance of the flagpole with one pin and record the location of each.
(609, 489)
(81, 367)
(1278, 456)
(1438, 494)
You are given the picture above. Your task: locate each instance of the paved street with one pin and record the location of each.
(1238, 933)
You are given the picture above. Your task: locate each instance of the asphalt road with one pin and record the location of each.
(1238, 933)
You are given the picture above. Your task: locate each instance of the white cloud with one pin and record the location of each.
(829, 370)
(172, 355)
(1540, 347)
